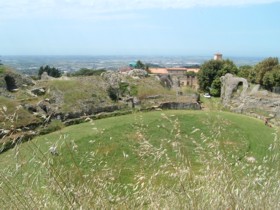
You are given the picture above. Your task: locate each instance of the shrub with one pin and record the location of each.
(113, 93)
(133, 90)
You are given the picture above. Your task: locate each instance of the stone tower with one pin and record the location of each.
(218, 57)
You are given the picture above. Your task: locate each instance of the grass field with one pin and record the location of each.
(166, 159)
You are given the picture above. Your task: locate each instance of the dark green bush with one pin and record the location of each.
(113, 93)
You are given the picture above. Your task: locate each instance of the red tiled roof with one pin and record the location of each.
(177, 69)
(158, 70)
(169, 70)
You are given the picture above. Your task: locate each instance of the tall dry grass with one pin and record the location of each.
(217, 181)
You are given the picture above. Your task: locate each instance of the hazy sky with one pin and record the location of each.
(140, 27)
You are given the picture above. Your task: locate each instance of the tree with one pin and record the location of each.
(263, 67)
(244, 71)
(211, 71)
(272, 78)
(247, 72)
(140, 65)
(53, 72)
(215, 89)
(268, 81)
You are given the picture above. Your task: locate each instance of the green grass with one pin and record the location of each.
(72, 94)
(13, 115)
(150, 86)
(125, 161)
(212, 103)
(2, 69)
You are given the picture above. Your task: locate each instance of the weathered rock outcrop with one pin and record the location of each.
(166, 81)
(45, 76)
(11, 81)
(113, 78)
(140, 73)
(39, 91)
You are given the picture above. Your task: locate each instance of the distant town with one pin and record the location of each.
(31, 64)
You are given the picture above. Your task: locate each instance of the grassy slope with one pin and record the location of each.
(234, 129)
(117, 151)
(73, 93)
(12, 114)
(11, 111)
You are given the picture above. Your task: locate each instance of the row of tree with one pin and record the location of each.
(141, 65)
(265, 73)
(53, 72)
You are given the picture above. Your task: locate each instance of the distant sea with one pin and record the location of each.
(31, 64)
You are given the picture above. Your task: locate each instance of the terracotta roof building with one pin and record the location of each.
(158, 70)
(173, 71)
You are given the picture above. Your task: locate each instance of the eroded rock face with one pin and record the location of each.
(113, 78)
(231, 84)
(45, 76)
(11, 81)
(39, 91)
(137, 73)
(166, 81)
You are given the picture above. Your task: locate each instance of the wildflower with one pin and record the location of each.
(125, 155)
(251, 159)
(195, 130)
(4, 108)
(53, 150)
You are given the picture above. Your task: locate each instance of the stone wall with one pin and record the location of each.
(180, 105)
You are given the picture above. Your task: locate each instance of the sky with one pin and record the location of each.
(140, 27)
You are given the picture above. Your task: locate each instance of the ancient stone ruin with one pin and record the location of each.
(240, 96)
(11, 81)
(230, 84)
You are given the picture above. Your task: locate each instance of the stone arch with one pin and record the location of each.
(230, 84)
(238, 89)
(239, 86)
(10, 83)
